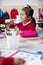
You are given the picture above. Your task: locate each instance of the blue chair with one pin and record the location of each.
(1, 13)
(40, 34)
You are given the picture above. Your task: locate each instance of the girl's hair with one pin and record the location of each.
(6, 15)
(33, 21)
(28, 6)
(28, 11)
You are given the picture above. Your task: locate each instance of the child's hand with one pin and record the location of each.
(19, 61)
(9, 34)
(17, 31)
(7, 29)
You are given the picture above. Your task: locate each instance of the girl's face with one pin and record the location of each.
(23, 16)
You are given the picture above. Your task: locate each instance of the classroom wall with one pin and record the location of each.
(8, 8)
(7, 5)
(13, 2)
(20, 2)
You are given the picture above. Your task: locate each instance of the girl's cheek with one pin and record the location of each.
(23, 17)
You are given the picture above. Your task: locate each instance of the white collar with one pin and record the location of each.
(27, 23)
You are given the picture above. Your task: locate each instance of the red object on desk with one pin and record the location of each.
(1, 59)
(7, 61)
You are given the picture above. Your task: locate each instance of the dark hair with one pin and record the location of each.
(28, 11)
(28, 6)
(6, 15)
(33, 21)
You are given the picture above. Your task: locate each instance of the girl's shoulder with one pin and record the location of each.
(33, 21)
(19, 23)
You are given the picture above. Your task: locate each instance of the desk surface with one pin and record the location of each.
(13, 42)
(31, 59)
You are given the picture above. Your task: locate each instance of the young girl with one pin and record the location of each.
(27, 22)
(26, 18)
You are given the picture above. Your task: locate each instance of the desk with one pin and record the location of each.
(31, 59)
(29, 44)
(16, 42)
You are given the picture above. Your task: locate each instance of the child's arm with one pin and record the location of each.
(18, 31)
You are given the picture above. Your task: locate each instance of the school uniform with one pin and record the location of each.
(27, 26)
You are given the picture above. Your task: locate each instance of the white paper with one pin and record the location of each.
(31, 59)
(7, 53)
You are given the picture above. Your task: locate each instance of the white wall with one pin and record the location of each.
(38, 3)
(21, 2)
(14, 2)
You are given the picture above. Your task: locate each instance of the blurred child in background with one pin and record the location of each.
(41, 17)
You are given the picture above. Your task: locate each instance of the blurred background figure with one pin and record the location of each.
(41, 17)
(6, 15)
(1, 13)
(13, 13)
